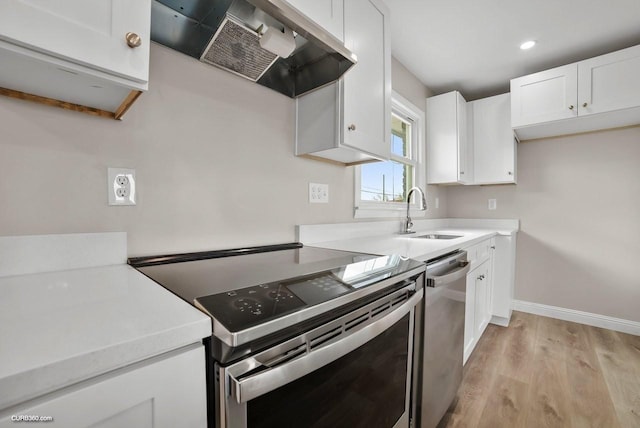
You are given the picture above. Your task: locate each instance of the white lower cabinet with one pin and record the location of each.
(482, 312)
(504, 277)
(478, 305)
(469, 317)
(166, 391)
(490, 287)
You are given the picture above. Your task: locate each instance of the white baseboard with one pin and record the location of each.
(501, 321)
(595, 320)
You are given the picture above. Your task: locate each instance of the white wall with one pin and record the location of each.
(578, 200)
(213, 155)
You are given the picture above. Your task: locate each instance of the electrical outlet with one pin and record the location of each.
(437, 203)
(493, 204)
(318, 193)
(121, 186)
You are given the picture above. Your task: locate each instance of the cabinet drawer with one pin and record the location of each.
(483, 249)
(472, 252)
(479, 252)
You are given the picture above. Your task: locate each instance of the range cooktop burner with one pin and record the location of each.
(250, 306)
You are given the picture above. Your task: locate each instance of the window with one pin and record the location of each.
(381, 187)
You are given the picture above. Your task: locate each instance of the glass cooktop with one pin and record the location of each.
(247, 290)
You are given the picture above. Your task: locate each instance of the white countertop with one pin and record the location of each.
(59, 328)
(382, 237)
(410, 245)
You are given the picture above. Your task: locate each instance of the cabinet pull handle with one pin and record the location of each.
(571, 107)
(461, 172)
(352, 127)
(584, 104)
(133, 40)
(493, 247)
(509, 172)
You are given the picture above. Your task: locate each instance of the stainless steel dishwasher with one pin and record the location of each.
(444, 306)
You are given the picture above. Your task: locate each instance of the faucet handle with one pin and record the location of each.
(409, 224)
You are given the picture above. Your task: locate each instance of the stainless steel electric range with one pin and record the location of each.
(302, 336)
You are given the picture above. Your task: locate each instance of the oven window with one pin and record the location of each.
(365, 388)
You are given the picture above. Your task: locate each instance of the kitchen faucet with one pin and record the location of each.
(408, 224)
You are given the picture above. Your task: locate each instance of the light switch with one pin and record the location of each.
(493, 204)
(318, 193)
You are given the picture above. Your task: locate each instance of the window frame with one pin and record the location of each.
(405, 109)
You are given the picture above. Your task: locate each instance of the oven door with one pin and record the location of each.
(354, 371)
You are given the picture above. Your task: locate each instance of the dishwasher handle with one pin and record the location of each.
(452, 276)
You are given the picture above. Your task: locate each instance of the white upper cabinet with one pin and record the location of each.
(494, 144)
(598, 93)
(329, 14)
(609, 82)
(90, 33)
(350, 121)
(545, 96)
(449, 154)
(90, 56)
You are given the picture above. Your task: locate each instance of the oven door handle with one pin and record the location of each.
(251, 387)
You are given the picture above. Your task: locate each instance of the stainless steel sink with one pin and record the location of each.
(438, 236)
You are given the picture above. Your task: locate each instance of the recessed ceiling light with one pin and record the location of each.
(527, 45)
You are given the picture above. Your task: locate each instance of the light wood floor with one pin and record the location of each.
(542, 372)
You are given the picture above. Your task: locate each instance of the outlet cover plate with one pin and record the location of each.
(492, 204)
(121, 186)
(318, 193)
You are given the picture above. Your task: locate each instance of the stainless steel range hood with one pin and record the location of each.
(227, 33)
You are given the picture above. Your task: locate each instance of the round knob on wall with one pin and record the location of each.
(571, 107)
(352, 127)
(133, 40)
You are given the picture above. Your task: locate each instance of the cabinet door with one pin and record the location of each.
(494, 145)
(482, 296)
(329, 14)
(465, 149)
(469, 316)
(609, 82)
(545, 96)
(367, 85)
(167, 392)
(90, 33)
(446, 139)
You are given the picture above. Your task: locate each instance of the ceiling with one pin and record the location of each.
(473, 46)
